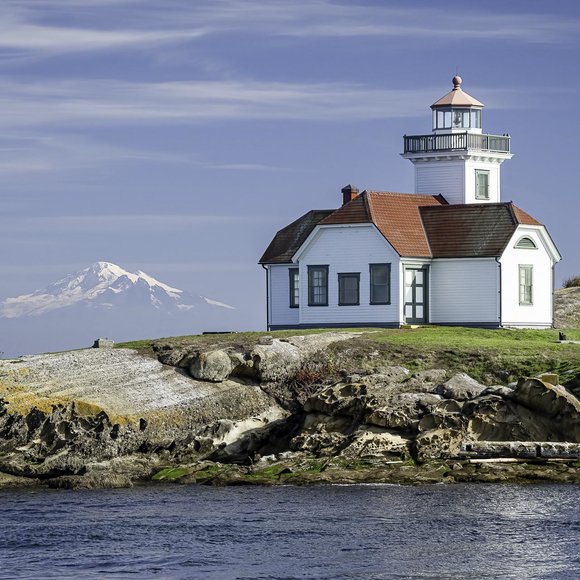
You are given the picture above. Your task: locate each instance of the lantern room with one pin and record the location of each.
(457, 111)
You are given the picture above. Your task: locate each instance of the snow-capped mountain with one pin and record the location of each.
(104, 300)
(106, 286)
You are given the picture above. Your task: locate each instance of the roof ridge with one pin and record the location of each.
(510, 206)
(400, 193)
(369, 205)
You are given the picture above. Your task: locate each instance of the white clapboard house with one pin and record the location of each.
(451, 253)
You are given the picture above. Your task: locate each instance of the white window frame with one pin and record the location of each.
(294, 287)
(341, 298)
(373, 284)
(478, 193)
(526, 284)
(318, 285)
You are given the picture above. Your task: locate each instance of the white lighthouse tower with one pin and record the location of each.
(457, 159)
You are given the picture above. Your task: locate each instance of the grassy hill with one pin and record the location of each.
(491, 356)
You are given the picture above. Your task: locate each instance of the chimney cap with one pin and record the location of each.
(350, 188)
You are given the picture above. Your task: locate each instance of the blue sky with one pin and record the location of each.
(176, 137)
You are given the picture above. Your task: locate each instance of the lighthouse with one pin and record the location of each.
(457, 159)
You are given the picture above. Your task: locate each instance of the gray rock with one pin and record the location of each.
(461, 387)
(214, 366)
(424, 381)
(403, 410)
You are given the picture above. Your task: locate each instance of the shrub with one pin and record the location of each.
(573, 282)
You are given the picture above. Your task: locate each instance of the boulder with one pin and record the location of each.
(554, 402)
(461, 387)
(214, 366)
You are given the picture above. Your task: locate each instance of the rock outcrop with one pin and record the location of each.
(269, 411)
(567, 307)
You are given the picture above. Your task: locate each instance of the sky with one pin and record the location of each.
(177, 137)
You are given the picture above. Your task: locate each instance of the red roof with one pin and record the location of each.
(442, 230)
(396, 216)
(416, 225)
(524, 218)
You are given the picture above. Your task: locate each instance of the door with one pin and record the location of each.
(416, 294)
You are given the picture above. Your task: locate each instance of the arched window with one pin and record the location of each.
(526, 243)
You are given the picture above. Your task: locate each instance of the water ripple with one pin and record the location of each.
(463, 531)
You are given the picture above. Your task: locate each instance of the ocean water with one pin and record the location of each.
(365, 531)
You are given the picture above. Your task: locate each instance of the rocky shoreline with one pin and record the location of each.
(273, 412)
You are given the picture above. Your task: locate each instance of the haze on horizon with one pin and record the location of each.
(177, 138)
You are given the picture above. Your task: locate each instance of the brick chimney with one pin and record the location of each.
(349, 192)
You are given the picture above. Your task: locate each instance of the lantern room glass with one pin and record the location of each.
(454, 118)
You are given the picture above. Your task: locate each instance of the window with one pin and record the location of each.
(348, 289)
(317, 285)
(526, 284)
(294, 288)
(481, 184)
(526, 243)
(380, 283)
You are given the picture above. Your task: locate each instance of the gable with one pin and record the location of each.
(395, 215)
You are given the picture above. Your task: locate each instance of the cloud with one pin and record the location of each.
(98, 102)
(122, 223)
(78, 26)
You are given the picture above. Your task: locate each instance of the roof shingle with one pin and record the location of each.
(287, 241)
(472, 230)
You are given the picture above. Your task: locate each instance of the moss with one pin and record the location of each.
(207, 473)
(171, 473)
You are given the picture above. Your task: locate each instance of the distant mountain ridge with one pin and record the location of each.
(103, 285)
(105, 300)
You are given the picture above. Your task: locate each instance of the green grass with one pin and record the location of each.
(487, 355)
(220, 340)
(490, 356)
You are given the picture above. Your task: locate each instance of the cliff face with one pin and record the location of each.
(111, 417)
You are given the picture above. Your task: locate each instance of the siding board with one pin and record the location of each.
(280, 312)
(465, 291)
(349, 249)
(439, 177)
(540, 313)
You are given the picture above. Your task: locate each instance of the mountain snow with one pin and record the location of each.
(105, 286)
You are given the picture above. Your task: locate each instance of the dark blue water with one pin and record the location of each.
(463, 531)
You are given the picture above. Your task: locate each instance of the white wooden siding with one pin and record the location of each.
(539, 314)
(349, 249)
(280, 311)
(465, 291)
(455, 180)
(441, 177)
(494, 183)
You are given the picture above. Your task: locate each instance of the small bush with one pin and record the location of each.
(573, 282)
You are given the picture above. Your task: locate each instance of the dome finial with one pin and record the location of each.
(457, 80)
